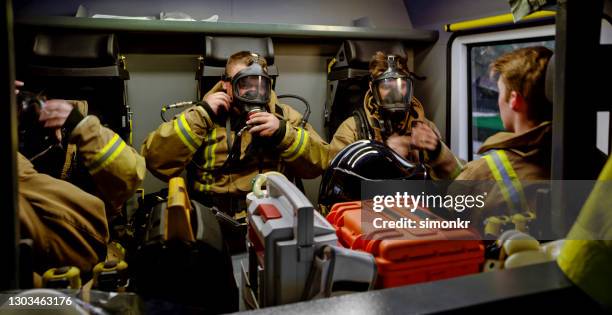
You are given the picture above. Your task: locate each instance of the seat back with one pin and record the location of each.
(79, 66)
(348, 77)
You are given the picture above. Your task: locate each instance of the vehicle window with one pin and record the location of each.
(484, 111)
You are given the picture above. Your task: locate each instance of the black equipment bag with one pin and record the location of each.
(197, 275)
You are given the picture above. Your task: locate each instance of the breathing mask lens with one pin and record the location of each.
(393, 94)
(253, 89)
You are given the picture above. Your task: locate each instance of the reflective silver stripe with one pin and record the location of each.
(96, 164)
(186, 134)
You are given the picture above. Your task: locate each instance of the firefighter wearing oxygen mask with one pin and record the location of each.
(237, 131)
(60, 139)
(392, 115)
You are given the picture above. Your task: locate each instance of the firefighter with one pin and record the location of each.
(391, 114)
(521, 153)
(68, 226)
(85, 153)
(237, 131)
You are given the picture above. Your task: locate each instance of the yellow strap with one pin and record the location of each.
(331, 64)
(131, 133)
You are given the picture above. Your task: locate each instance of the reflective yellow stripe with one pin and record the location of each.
(514, 179)
(214, 147)
(294, 145)
(209, 159)
(209, 180)
(298, 147)
(199, 187)
(107, 154)
(212, 159)
(182, 129)
(507, 180)
(189, 132)
(206, 150)
(301, 149)
(106, 147)
(179, 132)
(499, 180)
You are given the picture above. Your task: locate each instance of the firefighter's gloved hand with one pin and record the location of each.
(57, 114)
(400, 144)
(216, 102)
(424, 138)
(264, 124)
(521, 249)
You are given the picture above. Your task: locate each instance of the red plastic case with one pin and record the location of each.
(407, 256)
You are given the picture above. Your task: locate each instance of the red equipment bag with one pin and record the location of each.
(407, 256)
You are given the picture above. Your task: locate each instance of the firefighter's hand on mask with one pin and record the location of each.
(218, 100)
(399, 144)
(423, 137)
(264, 124)
(55, 113)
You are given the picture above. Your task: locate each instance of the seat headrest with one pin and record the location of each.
(217, 49)
(74, 50)
(359, 52)
(549, 84)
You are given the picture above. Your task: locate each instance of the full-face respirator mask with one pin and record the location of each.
(251, 88)
(392, 92)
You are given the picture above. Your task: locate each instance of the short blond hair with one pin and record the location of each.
(524, 71)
